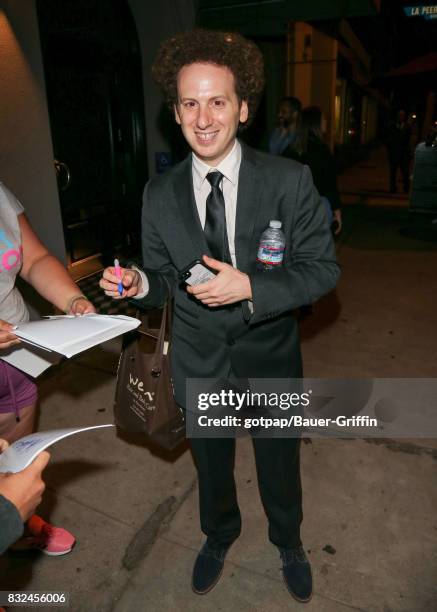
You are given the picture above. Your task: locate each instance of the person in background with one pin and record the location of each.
(22, 254)
(414, 134)
(20, 494)
(398, 147)
(413, 142)
(284, 134)
(310, 148)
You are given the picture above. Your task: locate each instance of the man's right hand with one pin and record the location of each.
(7, 339)
(24, 489)
(131, 280)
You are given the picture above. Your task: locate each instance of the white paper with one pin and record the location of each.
(63, 335)
(72, 335)
(21, 453)
(31, 359)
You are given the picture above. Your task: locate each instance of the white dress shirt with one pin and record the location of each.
(230, 168)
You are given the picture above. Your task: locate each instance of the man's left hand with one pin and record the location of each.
(229, 286)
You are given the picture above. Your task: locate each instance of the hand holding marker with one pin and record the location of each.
(118, 275)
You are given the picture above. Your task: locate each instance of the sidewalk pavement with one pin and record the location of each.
(368, 181)
(369, 526)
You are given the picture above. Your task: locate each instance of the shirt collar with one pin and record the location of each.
(229, 167)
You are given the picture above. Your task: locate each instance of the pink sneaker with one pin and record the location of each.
(47, 538)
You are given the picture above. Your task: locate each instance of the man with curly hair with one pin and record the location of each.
(241, 324)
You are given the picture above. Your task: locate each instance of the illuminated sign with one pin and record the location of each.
(428, 12)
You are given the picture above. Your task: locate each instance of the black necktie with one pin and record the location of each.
(215, 223)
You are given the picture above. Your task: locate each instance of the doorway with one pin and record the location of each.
(93, 79)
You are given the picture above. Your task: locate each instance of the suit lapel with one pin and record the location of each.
(248, 203)
(186, 204)
(249, 199)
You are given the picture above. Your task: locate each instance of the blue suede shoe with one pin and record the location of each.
(296, 571)
(208, 568)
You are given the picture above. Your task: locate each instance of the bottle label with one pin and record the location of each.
(270, 255)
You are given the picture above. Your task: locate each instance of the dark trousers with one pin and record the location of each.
(402, 162)
(278, 472)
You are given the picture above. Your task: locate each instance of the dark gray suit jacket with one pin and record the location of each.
(210, 342)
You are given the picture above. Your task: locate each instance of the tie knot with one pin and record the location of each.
(214, 178)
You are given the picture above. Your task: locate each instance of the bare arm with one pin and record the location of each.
(47, 275)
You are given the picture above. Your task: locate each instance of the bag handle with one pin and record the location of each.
(169, 305)
(158, 357)
(166, 322)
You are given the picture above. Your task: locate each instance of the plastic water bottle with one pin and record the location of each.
(271, 247)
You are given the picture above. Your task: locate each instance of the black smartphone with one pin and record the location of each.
(196, 273)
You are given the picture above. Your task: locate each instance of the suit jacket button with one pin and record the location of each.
(231, 342)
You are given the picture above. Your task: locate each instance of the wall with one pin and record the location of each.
(26, 154)
(299, 62)
(312, 71)
(274, 53)
(324, 79)
(154, 25)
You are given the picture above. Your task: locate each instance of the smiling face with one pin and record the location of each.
(208, 110)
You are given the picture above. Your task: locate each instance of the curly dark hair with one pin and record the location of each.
(230, 49)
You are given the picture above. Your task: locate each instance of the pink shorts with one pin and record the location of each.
(17, 390)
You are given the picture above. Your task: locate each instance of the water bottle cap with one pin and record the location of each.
(275, 224)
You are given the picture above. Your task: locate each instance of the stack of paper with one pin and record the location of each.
(50, 338)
